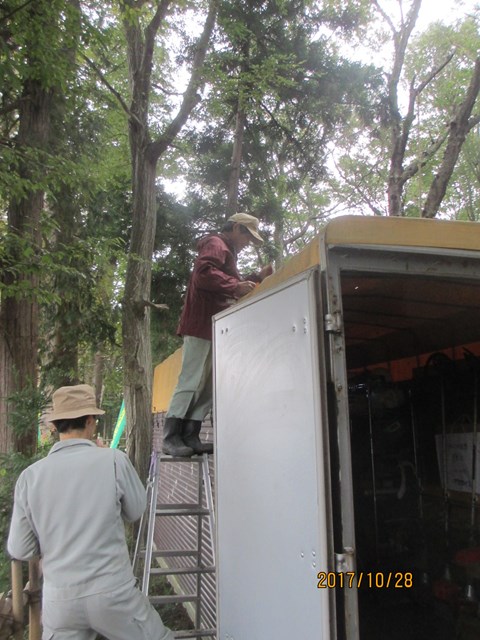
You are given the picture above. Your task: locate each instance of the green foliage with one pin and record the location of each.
(276, 62)
(436, 106)
(346, 15)
(362, 156)
(26, 407)
(69, 265)
(83, 316)
(315, 142)
(11, 465)
(21, 257)
(174, 255)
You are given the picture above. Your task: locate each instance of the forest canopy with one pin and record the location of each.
(130, 128)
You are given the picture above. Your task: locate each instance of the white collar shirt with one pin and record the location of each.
(70, 508)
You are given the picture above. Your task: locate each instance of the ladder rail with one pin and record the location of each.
(151, 524)
(143, 520)
(198, 608)
(200, 513)
(207, 481)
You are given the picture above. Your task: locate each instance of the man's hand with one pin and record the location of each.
(243, 288)
(266, 271)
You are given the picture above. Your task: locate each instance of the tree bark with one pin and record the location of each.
(400, 129)
(136, 318)
(234, 177)
(144, 156)
(459, 128)
(19, 314)
(66, 210)
(240, 124)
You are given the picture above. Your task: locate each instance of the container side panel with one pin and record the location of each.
(270, 489)
(165, 379)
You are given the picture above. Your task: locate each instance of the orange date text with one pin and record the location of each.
(365, 579)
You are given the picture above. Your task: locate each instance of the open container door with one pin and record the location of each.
(272, 496)
(404, 329)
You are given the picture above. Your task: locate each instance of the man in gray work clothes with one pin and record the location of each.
(69, 508)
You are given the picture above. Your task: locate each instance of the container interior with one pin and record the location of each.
(413, 361)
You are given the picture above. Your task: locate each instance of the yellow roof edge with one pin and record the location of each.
(302, 261)
(386, 231)
(406, 232)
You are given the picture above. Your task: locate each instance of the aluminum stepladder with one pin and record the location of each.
(144, 547)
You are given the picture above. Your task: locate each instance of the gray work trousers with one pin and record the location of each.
(122, 614)
(192, 398)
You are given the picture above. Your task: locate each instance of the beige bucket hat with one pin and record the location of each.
(250, 222)
(74, 402)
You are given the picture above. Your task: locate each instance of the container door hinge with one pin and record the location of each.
(345, 562)
(333, 322)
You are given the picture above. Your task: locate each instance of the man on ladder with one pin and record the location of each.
(214, 284)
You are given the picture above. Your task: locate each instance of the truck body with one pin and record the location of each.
(345, 419)
(346, 458)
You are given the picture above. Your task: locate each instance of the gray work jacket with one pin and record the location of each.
(69, 508)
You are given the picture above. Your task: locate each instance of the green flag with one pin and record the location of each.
(119, 427)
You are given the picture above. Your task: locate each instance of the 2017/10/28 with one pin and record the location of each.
(371, 580)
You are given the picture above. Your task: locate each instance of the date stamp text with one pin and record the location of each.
(365, 579)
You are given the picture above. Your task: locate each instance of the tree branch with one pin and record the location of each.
(14, 11)
(286, 131)
(473, 122)
(355, 185)
(401, 39)
(304, 228)
(190, 97)
(427, 155)
(122, 102)
(385, 16)
(151, 32)
(165, 92)
(433, 74)
(459, 128)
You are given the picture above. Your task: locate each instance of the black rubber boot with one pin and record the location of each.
(191, 429)
(172, 439)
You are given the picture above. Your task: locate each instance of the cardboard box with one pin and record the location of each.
(459, 455)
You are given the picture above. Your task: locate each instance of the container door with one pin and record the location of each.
(272, 499)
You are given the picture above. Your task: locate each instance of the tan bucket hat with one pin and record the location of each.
(74, 402)
(250, 222)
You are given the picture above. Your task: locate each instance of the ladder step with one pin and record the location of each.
(185, 553)
(190, 597)
(185, 509)
(179, 571)
(177, 505)
(194, 633)
(198, 511)
(177, 459)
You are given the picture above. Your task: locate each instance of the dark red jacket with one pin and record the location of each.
(211, 287)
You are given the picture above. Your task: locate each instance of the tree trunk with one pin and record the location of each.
(240, 124)
(399, 128)
(49, 31)
(19, 314)
(459, 128)
(99, 374)
(63, 360)
(66, 210)
(234, 177)
(136, 317)
(145, 154)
